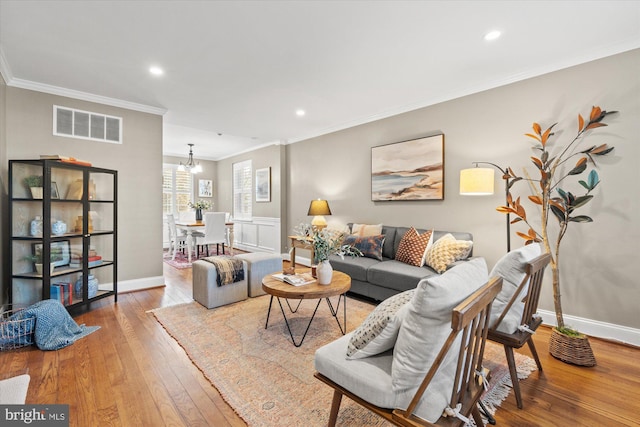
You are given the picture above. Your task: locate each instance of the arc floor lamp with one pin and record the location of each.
(479, 182)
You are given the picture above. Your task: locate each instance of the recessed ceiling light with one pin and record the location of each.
(156, 71)
(492, 35)
(300, 113)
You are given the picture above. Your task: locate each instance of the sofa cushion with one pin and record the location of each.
(511, 267)
(355, 267)
(366, 229)
(423, 332)
(370, 246)
(413, 247)
(368, 378)
(446, 251)
(389, 239)
(397, 275)
(378, 332)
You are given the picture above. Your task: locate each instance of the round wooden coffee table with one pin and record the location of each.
(340, 284)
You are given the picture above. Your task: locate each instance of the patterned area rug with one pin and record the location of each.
(267, 380)
(181, 261)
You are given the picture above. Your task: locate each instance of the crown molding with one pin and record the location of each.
(7, 75)
(85, 96)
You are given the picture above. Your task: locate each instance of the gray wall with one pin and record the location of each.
(138, 162)
(599, 271)
(271, 156)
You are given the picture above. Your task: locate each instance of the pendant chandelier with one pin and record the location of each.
(191, 165)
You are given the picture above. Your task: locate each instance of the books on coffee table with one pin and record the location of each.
(295, 279)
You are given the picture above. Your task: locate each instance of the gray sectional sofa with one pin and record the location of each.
(381, 279)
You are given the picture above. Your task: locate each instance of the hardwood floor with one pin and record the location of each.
(132, 373)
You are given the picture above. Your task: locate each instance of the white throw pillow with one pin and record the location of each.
(378, 332)
(424, 330)
(511, 268)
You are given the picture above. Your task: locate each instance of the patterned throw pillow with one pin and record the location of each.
(366, 229)
(379, 330)
(413, 247)
(370, 246)
(447, 250)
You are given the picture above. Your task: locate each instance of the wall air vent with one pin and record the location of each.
(86, 125)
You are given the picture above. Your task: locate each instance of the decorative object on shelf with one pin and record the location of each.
(75, 190)
(54, 191)
(199, 206)
(92, 285)
(78, 225)
(35, 229)
(191, 165)
(563, 206)
(60, 252)
(318, 208)
(34, 182)
(58, 228)
(36, 258)
(263, 185)
(325, 243)
(205, 188)
(479, 182)
(409, 170)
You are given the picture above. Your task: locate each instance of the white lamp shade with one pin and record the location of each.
(476, 181)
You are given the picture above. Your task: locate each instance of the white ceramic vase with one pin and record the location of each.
(325, 273)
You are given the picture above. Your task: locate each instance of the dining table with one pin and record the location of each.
(191, 226)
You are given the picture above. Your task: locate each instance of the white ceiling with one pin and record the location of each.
(236, 71)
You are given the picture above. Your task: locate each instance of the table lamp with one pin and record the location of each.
(318, 208)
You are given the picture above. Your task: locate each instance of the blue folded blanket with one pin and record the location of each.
(54, 328)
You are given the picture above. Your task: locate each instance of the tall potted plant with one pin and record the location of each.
(552, 171)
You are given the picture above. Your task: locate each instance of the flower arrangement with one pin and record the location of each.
(200, 204)
(325, 242)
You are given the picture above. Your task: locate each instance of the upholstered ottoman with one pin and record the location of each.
(260, 264)
(206, 290)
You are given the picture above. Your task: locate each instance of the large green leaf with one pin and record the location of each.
(578, 169)
(580, 218)
(581, 201)
(559, 214)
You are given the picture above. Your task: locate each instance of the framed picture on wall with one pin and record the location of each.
(408, 170)
(205, 188)
(263, 185)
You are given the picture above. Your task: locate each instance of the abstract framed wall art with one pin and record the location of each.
(205, 188)
(408, 170)
(263, 185)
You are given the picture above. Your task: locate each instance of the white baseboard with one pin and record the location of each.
(595, 328)
(140, 284)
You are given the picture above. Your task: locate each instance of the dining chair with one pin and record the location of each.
(215, 232)
(176, 241)
(516, 308)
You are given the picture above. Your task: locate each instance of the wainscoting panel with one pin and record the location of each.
(260, 234)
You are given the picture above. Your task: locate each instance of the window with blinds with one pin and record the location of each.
(242, 189)
(177, 190)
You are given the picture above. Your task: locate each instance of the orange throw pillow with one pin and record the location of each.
(413, 246)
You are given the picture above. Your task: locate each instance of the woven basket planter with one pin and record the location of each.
(575, 350)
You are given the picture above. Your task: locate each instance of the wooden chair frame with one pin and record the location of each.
(534, 270)
(470, 319)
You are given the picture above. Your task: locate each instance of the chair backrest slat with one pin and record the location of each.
(534, 274)
(469, 320)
